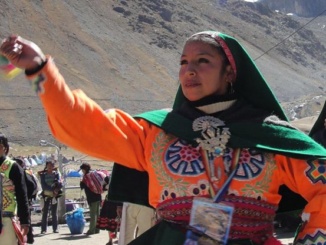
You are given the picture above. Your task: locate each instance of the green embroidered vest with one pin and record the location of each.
(9, 199)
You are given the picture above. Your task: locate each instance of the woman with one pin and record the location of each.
(110, 215)
(93, 189)
(51, 191)
(226, 138)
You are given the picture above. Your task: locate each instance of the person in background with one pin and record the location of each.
(51, 190)
(318, 130)
(110, 215)
(136, 219)
(93, 198)
(14, 208)
(32, 189)
(31, 180)
(226, 139)
(137, 215)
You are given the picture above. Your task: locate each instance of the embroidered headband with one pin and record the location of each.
(219, 40)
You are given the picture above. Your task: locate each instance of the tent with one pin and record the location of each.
(73, 173)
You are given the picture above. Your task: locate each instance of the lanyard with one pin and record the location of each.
(218, 197)
(210, 168)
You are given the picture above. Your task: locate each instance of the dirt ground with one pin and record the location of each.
(64, 237)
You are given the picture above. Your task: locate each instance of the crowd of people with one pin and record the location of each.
(46, 185)
(226, 140)
(19, 188)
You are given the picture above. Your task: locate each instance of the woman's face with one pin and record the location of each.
(201, 71)
(49, 167)
(2, 150)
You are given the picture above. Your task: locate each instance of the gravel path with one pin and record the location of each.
(64, 237)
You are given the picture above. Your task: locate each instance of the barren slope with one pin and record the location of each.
(125, 53)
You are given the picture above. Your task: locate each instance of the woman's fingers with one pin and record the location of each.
(21, 52)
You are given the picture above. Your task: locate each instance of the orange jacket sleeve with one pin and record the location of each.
(78, 121)
(308, 178)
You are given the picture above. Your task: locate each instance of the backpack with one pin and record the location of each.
(31, 183)
(95, 180)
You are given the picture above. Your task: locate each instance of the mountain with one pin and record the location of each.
(301, 8)
(125, 54)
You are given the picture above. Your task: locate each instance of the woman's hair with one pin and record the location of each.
(205, 38)
(86, 167)
(47, 162)
(4, 142)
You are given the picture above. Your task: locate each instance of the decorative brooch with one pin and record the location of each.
(214, 138)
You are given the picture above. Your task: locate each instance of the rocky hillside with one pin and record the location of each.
(125, 53)
(301, 8)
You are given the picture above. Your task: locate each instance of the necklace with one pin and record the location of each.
(214, 137)
(213, 140)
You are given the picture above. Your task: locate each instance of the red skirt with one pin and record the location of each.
(108, 219)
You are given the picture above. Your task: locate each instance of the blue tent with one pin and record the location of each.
(73, 173)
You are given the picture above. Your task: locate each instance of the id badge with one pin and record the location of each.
(210, 220)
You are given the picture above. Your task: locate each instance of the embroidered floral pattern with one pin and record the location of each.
(257, 188)
(170, 185)
(172, 157)
(201, 189)
(316, 171)
(251, 164)
(183, 159)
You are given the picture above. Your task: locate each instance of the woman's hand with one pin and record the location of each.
(24, 229)
(22, 53)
